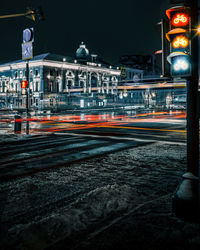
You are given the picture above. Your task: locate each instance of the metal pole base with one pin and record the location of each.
(27, 127)
(185, 203)
(18, 125)
(27, 124)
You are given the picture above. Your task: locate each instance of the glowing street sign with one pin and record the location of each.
(27, 51)
(180, 41)
(180, 19)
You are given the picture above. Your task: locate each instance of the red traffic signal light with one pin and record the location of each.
(24, 84)
(180, 19)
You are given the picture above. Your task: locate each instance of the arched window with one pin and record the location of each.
(70, 74)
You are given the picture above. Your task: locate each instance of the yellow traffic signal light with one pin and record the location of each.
(180, 41)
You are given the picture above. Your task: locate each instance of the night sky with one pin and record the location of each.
(109, 28)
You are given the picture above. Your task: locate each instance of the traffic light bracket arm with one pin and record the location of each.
(30, 13)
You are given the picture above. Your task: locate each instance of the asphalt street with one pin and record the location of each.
(67, 141)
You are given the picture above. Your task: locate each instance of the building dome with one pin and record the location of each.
(82, 52)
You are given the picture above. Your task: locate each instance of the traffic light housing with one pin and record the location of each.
(179, 36)
(35, 14)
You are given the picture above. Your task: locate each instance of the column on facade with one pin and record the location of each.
(98, 83)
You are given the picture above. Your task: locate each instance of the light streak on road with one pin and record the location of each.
(66, 123)
(57, 123)
(148, 129)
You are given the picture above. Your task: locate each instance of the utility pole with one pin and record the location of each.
(27, 53)
(186, 201)
(192, 92)
(27, 98)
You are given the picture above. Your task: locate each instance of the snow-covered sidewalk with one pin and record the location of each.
(118, 201)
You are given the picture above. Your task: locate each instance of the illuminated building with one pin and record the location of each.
(59, 82)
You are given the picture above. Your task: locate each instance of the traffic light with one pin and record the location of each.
(179, 36)
(24, 84)
(39, 13)
(35, 14)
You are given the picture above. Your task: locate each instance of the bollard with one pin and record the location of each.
(18, 124)
(185, 200)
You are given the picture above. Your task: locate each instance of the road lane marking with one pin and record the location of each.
(150, 129)
(123, 138)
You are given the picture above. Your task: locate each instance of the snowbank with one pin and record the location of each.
(96, 205)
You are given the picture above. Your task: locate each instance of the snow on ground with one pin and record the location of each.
(48, 206)
(95, 205)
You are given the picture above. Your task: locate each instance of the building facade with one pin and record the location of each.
(59, 82)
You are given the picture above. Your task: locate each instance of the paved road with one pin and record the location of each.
(83, 140)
